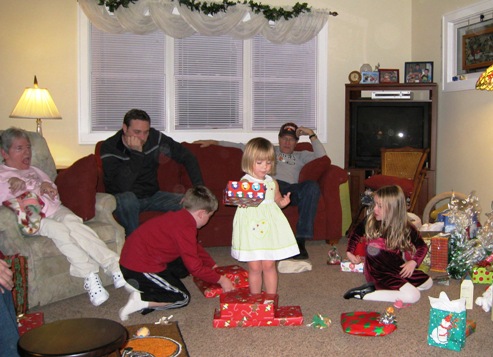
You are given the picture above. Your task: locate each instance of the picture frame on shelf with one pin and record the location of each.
(418, 72)
(388, 76)
(369, 77)
(476, 49)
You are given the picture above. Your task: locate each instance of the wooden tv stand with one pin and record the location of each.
(422, 92)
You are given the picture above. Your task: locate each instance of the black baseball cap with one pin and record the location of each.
(289, 129)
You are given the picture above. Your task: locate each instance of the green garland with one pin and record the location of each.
(270, 13)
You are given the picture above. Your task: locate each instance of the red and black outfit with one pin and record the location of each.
(383, 266)
(162, 251)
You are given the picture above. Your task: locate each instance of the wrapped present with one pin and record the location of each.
(235, 273)
(439, 253)
(482, 275)
(347, 266)
(284, 316)
(288, 316)
(241, 305)
(29, 321)
(244, 193)
(365, 323)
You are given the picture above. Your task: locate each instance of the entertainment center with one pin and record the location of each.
(407, 116)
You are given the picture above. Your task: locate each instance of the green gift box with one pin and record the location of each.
(481, 275)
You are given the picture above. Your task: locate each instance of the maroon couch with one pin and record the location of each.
(222, 164)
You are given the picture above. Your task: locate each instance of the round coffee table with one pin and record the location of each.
(84, 337)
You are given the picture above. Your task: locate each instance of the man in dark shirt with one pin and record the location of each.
(130, 165)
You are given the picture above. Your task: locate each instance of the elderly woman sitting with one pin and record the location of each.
(45, 215)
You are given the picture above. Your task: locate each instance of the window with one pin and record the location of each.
(200, 87)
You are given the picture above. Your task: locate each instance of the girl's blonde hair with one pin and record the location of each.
(394, 225)
(258, 149)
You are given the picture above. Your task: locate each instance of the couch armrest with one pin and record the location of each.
(329, 187)
(11, 239)
(105, 205)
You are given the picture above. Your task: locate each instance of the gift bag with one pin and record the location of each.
(447, 325)
(18, 265)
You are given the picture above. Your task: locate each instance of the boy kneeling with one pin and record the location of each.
(164, 250)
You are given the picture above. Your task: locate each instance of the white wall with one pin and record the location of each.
(465, 123)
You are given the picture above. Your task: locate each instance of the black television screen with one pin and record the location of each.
(375, 125)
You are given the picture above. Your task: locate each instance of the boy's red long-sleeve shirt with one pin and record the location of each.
(164, 239)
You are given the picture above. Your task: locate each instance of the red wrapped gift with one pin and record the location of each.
(240, 305)
(235, 273)
(244, 193)
(365, 324)
(289, 316)
(439, 253)
(284, 316)
(29, 321)
(470, 327)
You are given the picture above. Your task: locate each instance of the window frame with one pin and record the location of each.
(86, 136)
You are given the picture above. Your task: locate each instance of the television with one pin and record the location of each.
(386, 124)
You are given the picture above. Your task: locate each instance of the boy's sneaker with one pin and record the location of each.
(94, 287)
(118, 280)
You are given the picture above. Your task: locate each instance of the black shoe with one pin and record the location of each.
(360, 291)
(303, 253)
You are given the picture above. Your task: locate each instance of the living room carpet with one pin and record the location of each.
(319, 291)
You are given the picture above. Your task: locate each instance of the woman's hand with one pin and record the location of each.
(408, 268)
(355, 259)
(48, 189)
(205, 143)
(16, 185)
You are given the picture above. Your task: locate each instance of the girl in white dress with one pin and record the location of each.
(262, 234)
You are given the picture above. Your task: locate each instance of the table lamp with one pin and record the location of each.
(36, 103)
(485, 80)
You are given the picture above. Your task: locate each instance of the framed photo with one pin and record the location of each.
(369, 77)
(418, 72)
(476, 49)
(388, 76)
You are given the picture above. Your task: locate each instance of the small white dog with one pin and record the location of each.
(485, 300)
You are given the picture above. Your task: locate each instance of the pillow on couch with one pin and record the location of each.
(77, 187)
(314, 169)
(376, 181)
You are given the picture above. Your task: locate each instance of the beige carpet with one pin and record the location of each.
(317, 292)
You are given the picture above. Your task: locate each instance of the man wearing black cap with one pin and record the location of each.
(289, 163)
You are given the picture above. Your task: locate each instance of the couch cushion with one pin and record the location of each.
(314, 169)
(77, 187)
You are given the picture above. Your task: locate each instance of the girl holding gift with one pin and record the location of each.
(393, 251)
(261, 234)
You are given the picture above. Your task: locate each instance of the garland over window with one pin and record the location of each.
(272, 14)
(182, 18)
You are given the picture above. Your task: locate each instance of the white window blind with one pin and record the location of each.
(198, 85)
(127, 71)
(208, 82)
(284, 84)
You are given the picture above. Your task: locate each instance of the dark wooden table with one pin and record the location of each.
(84, 337)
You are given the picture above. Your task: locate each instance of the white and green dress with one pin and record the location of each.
(262, 232)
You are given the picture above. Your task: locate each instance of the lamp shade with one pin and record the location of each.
(36, 103)
(485, 80)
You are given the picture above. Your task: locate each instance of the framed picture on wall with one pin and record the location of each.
(418, 72)
(388, 76)
(369, 77)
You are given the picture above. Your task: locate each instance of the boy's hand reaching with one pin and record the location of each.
(226, 284)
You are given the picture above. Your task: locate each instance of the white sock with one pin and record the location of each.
(407, 294)
(134, 304)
